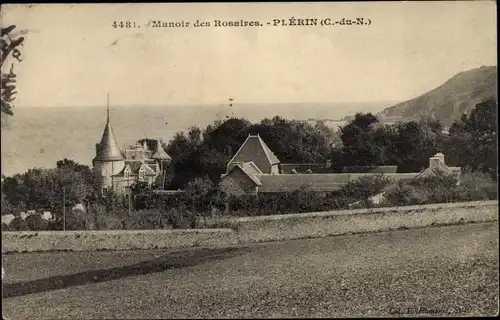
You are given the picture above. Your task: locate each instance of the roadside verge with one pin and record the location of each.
(233, 231)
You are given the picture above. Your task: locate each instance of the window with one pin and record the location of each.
(104, 192)
(127, 173)
(141, 175)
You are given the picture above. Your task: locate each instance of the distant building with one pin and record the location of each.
(437, 162)
(256, 169)
(47, 216)
(7, 219)
(117, 171)
(255, 150)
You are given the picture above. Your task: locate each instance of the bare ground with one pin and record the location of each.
(441, 271)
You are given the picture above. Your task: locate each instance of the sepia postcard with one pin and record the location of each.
(249, 160)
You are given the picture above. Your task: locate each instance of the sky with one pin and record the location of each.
(72, 56)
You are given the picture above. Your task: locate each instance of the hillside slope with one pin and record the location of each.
(449, 101)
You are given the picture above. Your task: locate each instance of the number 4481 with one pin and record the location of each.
(124, 24)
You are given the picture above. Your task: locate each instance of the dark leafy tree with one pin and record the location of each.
(412, 144)
(358, 139)
(18, 224)
(35, 222)
(9, 42)
(49, 189)
(197, 154)
(472, 143)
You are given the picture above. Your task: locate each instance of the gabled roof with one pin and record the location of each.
(291, 182)
(320, 182)
(137, 154)
(255, 149)
(135, 165)
(303, 167)
(249, 169)
(270, 155)
(454, 171)
(108, 149)
(372, 169)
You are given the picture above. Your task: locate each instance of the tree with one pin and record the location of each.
(83, 170)
(366, 142)
(413, 143)
(139, 187)
(472, 143)
(228, 136)
(201, 196)
(358, 139)
(182, 144)
(295, 141)
(6, 206)
(18, 224)
(151, 143)
(206, 153)
(9, 46)
(75, 166)
(183, 167)
(49, 189)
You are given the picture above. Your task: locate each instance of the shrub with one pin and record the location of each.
(149, 219)
(180, 218)
(56, 224)
(475, 186)
(35, 223)
(18, 224)
(5, 227)
(443, 188)
(137, 220)
(440, 188)
(112, 221)
(361, 189)
(404, 194)
(302, 200)
(77, 220)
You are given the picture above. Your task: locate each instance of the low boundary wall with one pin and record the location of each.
(234, 231)
(90, 240)
(342, 222)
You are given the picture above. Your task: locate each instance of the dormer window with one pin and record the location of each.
(141, 174)
(127, 172)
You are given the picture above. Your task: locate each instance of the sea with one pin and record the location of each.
(37, 137)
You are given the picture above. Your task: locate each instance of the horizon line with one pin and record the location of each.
(205, 104)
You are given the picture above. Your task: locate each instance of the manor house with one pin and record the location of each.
(116, 170)
(256, 169)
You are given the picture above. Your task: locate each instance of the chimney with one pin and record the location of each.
(96, 148)
(437, 161)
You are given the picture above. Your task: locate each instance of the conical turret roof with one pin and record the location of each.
(108, 149)
(160, 153)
